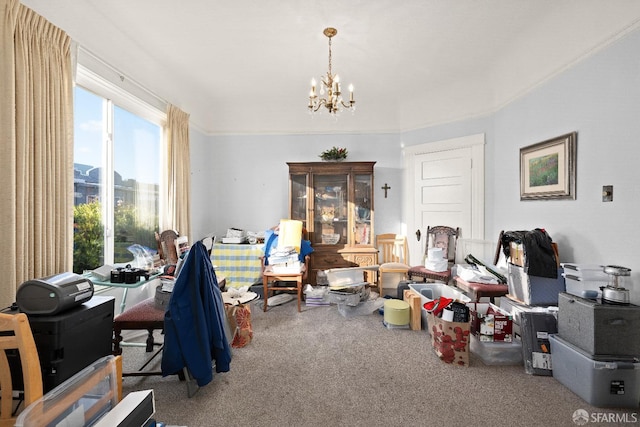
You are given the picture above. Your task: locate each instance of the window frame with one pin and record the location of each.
(148, 109)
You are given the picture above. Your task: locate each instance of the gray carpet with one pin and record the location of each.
(319, 368)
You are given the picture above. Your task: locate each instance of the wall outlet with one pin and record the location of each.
(607, 193)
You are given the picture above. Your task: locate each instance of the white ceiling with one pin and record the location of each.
(244, 66)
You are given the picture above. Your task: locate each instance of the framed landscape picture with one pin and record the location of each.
(548, 169)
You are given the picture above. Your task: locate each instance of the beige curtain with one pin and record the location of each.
(179, 173)
(36, 124)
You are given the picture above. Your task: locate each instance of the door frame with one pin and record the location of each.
(476, 143)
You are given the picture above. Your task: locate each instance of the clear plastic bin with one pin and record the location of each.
(430, 291)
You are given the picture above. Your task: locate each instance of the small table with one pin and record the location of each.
(126, 286)
(269, 275)
(240, 263)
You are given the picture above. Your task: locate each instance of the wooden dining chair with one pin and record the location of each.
(393, 256)
(16, 338)
(16, 335)
(439, 236)
(167, 246)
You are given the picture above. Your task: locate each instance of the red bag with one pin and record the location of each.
(239, 318)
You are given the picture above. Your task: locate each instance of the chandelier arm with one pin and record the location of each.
(349, 105)
(316, 105)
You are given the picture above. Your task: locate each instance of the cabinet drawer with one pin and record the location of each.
(326, 261)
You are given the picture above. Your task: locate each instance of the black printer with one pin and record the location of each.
(53, 294)
(69, 341)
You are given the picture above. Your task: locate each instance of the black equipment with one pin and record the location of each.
(53, 294)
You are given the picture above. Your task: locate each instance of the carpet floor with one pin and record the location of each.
(321, 368)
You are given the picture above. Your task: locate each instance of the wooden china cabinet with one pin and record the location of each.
(334, 201)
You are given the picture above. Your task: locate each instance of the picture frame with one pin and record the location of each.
(548, 169)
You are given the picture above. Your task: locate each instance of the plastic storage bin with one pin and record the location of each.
(89, 394)
(586, 271)
(584, 280)
(611, 383)
(430, 291)
(534, 290)
(497, 352)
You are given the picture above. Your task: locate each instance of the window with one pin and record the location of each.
(117, 171)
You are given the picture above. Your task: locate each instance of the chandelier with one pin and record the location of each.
(330, 86)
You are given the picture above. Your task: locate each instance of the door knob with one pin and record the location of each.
(418, 234)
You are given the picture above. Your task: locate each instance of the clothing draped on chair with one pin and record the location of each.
(36, 149)
(195, 321)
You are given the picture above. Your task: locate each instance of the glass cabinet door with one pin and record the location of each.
(331, 215)
(362, 211)
(299, 199)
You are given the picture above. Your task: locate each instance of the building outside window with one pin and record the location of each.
(117, 171)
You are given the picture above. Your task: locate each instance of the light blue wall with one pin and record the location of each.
(241, 181)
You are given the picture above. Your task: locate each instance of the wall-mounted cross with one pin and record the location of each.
(386, 188)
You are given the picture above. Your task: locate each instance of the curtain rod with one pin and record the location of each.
(121, 76)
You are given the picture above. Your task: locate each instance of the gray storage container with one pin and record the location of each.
(613, 383)
(534, 290)
(599, 329)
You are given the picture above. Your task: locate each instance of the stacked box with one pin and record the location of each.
(599, 329)
(450, 340)
(316, 296)
(347, 285)
(614, 382)
(584, 280)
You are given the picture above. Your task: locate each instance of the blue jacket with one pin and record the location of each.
(195, 321)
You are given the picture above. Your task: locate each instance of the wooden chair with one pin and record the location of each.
(481, 290)
(16, 335)
(167, 246)
(438, 236)
(393, 256)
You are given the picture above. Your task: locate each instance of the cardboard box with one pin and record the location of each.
(490, 323)
(450, 340)
(517, 254)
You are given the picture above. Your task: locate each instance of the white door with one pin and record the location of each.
(446, 187)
